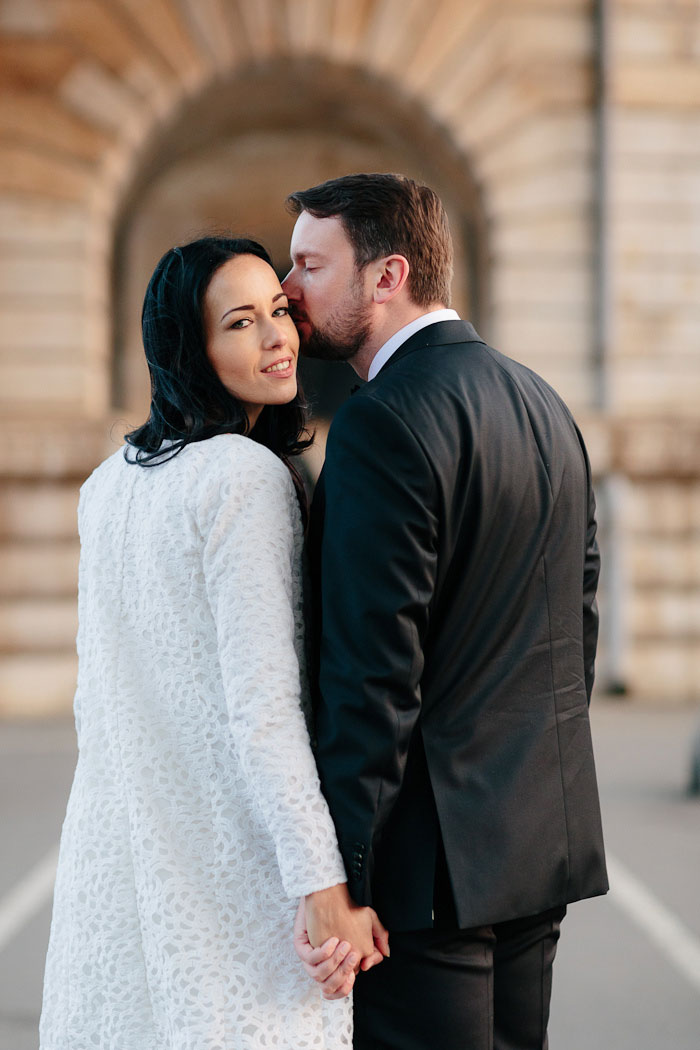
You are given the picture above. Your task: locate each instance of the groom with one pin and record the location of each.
(453, 537)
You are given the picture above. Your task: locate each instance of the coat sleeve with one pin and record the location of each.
(251, 570)
(378, 570)
(591, 572)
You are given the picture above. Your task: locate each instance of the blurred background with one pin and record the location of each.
(564, 138)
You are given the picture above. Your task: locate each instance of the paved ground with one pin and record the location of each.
(615, 989)
(621, 980)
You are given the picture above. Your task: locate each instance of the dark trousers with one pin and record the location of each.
(448, 989)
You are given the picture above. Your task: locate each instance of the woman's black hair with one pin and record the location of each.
(188, 400)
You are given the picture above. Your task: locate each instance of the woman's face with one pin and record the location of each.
(251, 340)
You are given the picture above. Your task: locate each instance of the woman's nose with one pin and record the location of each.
(275, 334)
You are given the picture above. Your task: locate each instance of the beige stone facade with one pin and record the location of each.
(569, 163)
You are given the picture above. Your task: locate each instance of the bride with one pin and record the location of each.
(196, 822)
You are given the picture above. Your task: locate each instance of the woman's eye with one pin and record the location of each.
(280, 311)
(242, 322)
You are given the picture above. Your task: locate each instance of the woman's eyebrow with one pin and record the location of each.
(251, 306)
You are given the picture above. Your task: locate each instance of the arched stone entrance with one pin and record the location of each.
(227, 160)
(103, 101)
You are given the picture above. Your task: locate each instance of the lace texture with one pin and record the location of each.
(196, 820)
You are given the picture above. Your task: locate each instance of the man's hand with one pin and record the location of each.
(333, 913)
(332, 965)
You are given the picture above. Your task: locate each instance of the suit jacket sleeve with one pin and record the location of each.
(378, 567)
(591, 572)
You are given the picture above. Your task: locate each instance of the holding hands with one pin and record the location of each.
(335, 938)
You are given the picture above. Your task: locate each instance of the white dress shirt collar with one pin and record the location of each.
(399, 338)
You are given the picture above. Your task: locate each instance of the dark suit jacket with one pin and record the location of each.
(453, 539)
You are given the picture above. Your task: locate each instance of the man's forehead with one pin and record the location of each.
(315, 236)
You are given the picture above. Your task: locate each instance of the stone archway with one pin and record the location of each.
(227, 160)
(100, 99)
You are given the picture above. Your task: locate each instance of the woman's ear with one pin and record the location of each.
(391, 274)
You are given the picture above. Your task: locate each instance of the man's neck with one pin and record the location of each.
(381, 334)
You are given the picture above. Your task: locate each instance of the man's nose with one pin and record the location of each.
(289, 284)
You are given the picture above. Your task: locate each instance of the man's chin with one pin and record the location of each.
(320, 350)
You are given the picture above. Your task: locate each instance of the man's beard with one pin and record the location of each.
(341, 338)
(333, 343)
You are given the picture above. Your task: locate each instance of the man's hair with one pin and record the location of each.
(387, 215)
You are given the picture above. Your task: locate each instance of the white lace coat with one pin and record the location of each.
(196, 820)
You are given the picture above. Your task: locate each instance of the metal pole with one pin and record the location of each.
(612, 486)
(601, 206)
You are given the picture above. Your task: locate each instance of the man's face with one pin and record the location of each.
(328, 298)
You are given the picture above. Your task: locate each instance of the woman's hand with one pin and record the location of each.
(333, 913)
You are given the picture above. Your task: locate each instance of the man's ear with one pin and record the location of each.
(391, 274)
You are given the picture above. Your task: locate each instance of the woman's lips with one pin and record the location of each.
(281, 369)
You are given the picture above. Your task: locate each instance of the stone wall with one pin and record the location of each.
(655, 366)
(99, 98)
